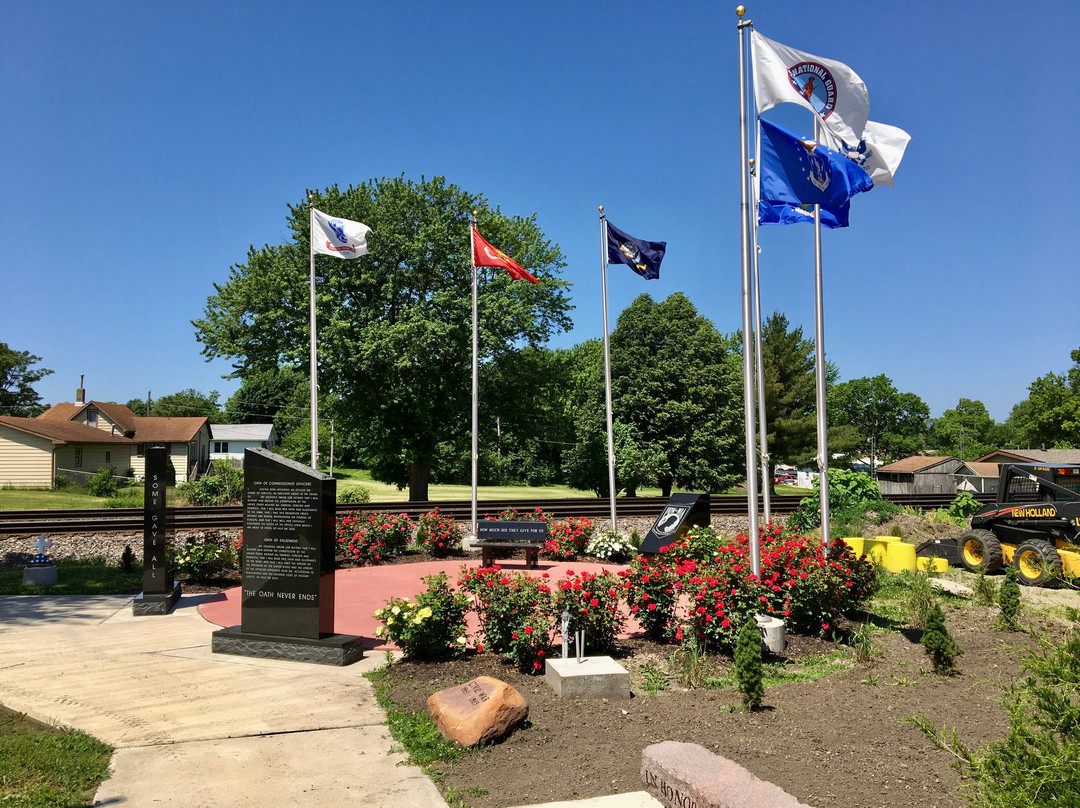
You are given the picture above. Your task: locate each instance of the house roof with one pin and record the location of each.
(252, 432)
(167, 430)
(915, 463)
(985, 469)
(144, 429)
(1053, 456)
(61, 432)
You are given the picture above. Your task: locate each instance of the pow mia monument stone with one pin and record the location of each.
(287, 588)
(159, 593)
(682, 512)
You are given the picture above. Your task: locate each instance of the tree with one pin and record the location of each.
(18, 398)
(139, 406)
(676, 381)
(189, 403)
(886, 421)
(966, 432)
(1050, 416)
(395, 325)
(790, 392)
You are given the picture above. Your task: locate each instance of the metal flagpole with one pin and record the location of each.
(763, 424)
(475, 374)
(607, 368)
(747, 345)
(819, 341)
(314, 364)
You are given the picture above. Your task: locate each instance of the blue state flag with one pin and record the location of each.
(642, 256)
(799, 171)
(783, 213)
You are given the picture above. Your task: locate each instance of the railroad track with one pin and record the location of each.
(103, 520)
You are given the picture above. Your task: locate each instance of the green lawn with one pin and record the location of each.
(77, 578)
(381, 492)
(43, 766)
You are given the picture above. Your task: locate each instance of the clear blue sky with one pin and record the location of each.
(145, 146)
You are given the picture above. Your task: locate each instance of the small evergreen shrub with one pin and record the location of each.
(102, 484)
(986, 591)
(127, 559)
(748, 671)
(430, 629)
(1009, 600)
(940, 646)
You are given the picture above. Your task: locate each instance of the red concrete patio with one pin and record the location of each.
(362, 590)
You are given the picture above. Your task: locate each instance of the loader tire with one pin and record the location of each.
(980, 551)
(1037, 563)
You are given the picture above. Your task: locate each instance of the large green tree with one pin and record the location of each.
(189, 403)
(886, 422)
(17, 377)
(966, 432)
(1050, 415)
(394, 327)
(676, 382)
(790, 384)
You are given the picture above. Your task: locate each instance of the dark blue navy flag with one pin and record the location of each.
(799, 171)
(643, 257)
(783, 213)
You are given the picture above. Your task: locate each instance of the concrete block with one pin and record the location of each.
(592, 678)
(39, 575)
(686, 775)
(332, 649)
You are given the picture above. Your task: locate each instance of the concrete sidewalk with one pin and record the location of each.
(194, 729)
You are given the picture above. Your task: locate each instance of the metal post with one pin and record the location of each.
(607, 370)
(314, 363)
(475, 373)
(763, 424)
(747, 344)
(819, 341)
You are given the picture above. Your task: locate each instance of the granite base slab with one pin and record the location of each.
(39, 575)
(598, 677)
(156, 602)
(331, 649)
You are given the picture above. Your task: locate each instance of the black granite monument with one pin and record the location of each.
(682, 512)
(287, 597)
(159, 593)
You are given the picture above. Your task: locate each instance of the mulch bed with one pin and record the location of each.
(836, 742)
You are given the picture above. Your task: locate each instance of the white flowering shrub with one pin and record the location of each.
(610, 546)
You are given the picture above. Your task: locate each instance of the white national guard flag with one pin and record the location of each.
(878, 153)
(830, 88)
(331, 235)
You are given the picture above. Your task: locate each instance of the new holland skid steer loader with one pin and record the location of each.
(1034, 525)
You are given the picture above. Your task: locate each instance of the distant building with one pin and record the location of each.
(228, 441)
(919, 475)
(76, 439)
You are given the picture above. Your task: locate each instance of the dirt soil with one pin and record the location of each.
(836, 742)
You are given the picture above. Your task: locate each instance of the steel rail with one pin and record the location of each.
(231, 516)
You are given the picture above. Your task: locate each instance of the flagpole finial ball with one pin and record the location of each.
(740, 10)
(601, 208)
(751, 161)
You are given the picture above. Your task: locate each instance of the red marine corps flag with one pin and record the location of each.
(484, 255)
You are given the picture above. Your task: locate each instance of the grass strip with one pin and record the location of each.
(89, 577)
(48, 767)
(416, 732)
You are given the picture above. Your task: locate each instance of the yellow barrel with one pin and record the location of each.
(900, 556)
(875, 550)
(888, 538)
(855, 543)
(932, 564)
